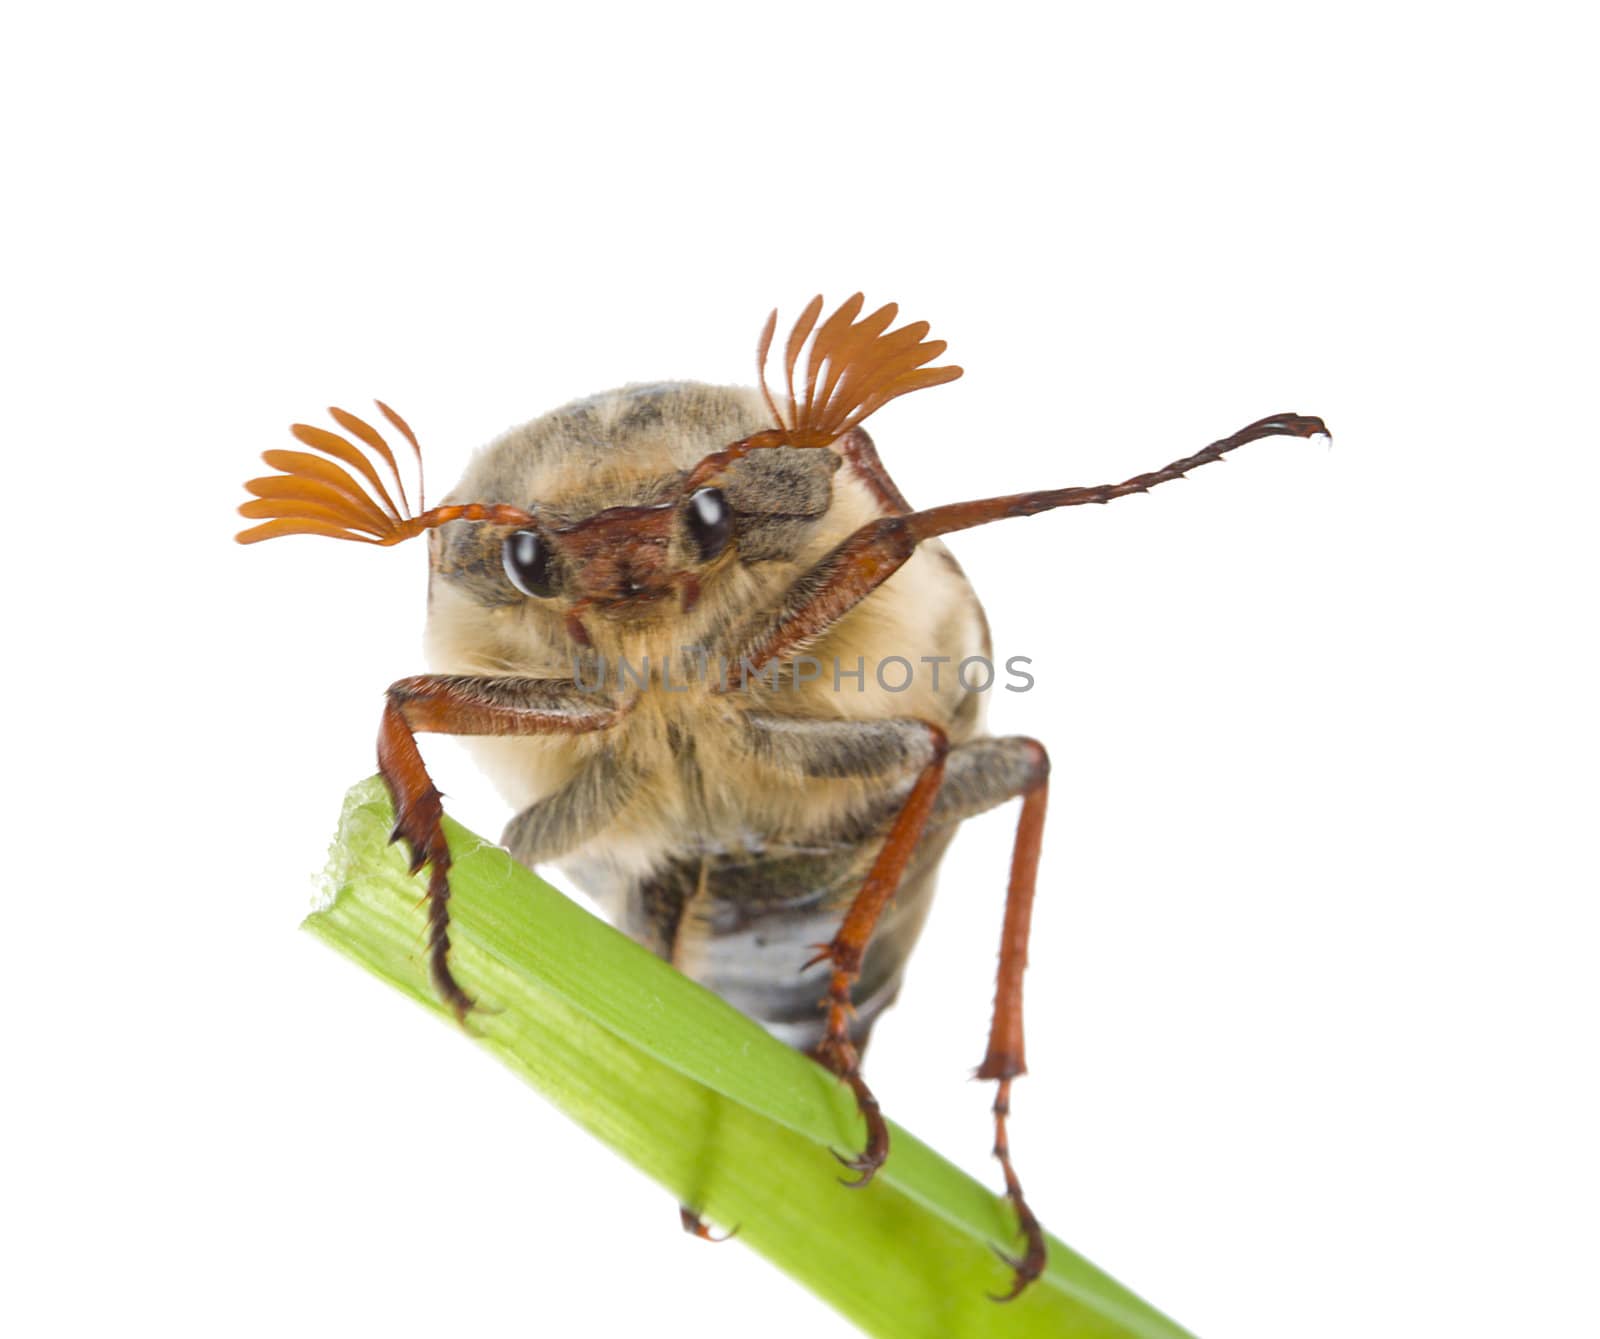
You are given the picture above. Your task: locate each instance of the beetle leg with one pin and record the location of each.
(849, 945)
(592, 796)
(1004, 1060)
(462, 705)
(895, 746)
(869, 557)
(979, 775)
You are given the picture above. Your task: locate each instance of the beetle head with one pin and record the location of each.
(615, 503)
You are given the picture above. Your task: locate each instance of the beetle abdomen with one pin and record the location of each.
(745, 925)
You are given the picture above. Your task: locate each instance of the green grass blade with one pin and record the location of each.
(705, 1102)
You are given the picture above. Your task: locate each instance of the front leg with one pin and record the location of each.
(874, 553)
(454, 704)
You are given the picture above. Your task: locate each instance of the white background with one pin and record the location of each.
(1312, 1003)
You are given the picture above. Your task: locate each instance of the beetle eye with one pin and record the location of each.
(526, 557)
(710, 521)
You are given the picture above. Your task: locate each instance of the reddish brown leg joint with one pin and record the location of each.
(849, 946)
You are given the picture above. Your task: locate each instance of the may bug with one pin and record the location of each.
(697, 632)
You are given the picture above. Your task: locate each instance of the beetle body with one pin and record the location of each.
(664, 617)
(695, 838)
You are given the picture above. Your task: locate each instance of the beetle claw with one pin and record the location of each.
(824, 954)
(1027, 1267)
(696, 1226)
(866, 1163)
